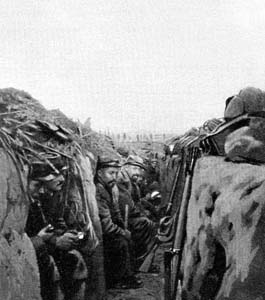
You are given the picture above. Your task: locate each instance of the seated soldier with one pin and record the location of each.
(151, 204)
(118, 251)
(142, 184)
(150, 199)
(62, 268)
(143, 229)
(152, 175)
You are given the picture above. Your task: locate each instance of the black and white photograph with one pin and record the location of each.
(132, 150)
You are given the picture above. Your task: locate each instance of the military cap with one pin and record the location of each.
(123, 151)
(135, 160)
(108, 161)
(47, 169)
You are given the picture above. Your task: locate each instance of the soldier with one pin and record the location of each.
(143, 230)
(118, 249)
(62, 268)
(152, 175)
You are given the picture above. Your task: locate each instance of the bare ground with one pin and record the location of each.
(153, 284)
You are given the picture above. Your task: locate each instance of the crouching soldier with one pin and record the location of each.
(118, 249)
(61, 266)
(143, 229)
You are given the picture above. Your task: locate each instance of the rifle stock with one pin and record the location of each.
(144, 268)
(163, 236)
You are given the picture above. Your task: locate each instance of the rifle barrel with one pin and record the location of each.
(175, 181)
(173, 263)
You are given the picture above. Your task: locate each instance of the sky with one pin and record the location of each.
(133, 65)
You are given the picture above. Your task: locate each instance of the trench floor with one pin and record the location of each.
(153, 284)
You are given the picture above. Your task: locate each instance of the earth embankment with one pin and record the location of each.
(19, 275)
(28, 132)
(224, 249)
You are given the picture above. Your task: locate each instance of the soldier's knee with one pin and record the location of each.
(124, 243)
(78, 265)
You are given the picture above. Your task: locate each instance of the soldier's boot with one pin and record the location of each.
(77, 291)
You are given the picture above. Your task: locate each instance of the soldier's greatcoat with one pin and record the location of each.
(56, 266)
(143, 230)
(118, 250)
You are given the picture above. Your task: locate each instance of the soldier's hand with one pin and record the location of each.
(45, 233)
(127, 234)
(148, 196)
(66, 241)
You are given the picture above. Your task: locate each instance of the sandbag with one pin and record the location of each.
(214, 143)
(248, 100)
(247, 143)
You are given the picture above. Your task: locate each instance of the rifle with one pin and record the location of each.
(150, 256)
(126, 216)
(172, 257)
(174, 186)
(145, 266)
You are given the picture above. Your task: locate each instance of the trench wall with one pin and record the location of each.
(19, 276)
(224, 251)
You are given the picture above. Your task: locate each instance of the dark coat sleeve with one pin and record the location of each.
(38, 243)
(105, 206)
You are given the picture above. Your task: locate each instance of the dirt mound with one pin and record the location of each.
(18, 267)
(224, 250)
(28, 132)
(17, 107)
